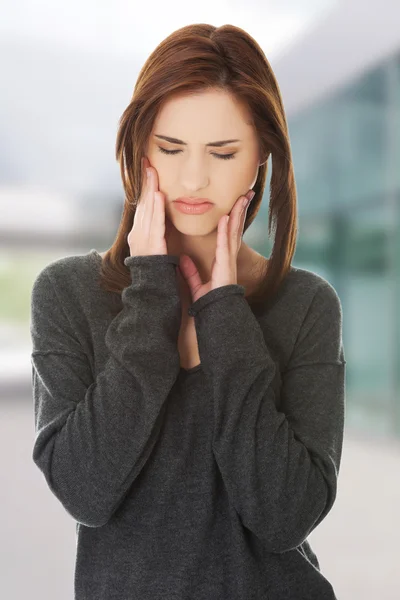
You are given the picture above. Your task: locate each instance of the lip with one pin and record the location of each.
(192, 209)
(192, 201)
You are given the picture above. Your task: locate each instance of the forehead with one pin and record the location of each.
(204, 116)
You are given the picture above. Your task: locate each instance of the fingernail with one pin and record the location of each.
(251, 195)
(148, 171)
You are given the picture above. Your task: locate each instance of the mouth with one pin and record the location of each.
(193, 208)
(193, 201)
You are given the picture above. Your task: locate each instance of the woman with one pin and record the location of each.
(189, 393)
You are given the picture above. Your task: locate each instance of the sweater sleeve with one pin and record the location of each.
(279, 458)
(94, 435)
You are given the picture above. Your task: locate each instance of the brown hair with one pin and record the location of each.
(193, 59)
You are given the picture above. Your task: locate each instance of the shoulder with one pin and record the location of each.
(316, 317)
(65, 273)
(61, 306)
(310, 287)
(319, 311)
(306, 300)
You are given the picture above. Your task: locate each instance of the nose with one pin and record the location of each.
(194, 177)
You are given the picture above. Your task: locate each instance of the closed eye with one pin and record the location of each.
(222, 156)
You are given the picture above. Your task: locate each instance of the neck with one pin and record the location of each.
(201, 249)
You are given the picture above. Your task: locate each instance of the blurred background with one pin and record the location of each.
(67, 73)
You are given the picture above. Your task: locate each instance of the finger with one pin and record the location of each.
(242, 220)
(191, 273)
(236, 223)
(223, 242)
(158, 221)
(144, 162)
(154, 174)
(148, 207)
(143, 189)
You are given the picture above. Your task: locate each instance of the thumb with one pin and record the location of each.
(189, 272)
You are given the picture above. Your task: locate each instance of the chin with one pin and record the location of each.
(193, 225)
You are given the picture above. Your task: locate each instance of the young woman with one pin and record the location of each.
(189, 392)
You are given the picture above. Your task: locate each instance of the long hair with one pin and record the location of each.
(196, 58)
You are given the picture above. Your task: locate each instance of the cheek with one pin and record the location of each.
(249, 175)
(241, 178)
(165, 183)
(163, 172)
(253, 181)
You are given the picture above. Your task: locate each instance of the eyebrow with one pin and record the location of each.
(213, 144)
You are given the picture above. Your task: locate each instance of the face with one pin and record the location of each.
(219, 173)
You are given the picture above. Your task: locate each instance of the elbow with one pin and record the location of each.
(285, 541)
(83, 503)
(292, 527)
(285, 538)
(84, 514)
(89, 518)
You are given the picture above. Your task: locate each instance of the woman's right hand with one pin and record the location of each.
(147, 236)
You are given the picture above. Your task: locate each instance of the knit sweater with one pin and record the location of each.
(188, 484)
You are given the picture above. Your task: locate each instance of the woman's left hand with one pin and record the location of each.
(224, 266)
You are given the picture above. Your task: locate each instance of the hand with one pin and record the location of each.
(147, 236)
(224, 266)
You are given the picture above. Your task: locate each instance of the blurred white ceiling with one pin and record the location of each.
(126, 27)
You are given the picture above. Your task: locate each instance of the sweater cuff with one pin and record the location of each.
(150, 259)
(215, 294)
(152, 274)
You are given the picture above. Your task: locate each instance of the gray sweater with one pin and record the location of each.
(199, 484)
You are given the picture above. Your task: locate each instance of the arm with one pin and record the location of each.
(279, 465)
(94, 435)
